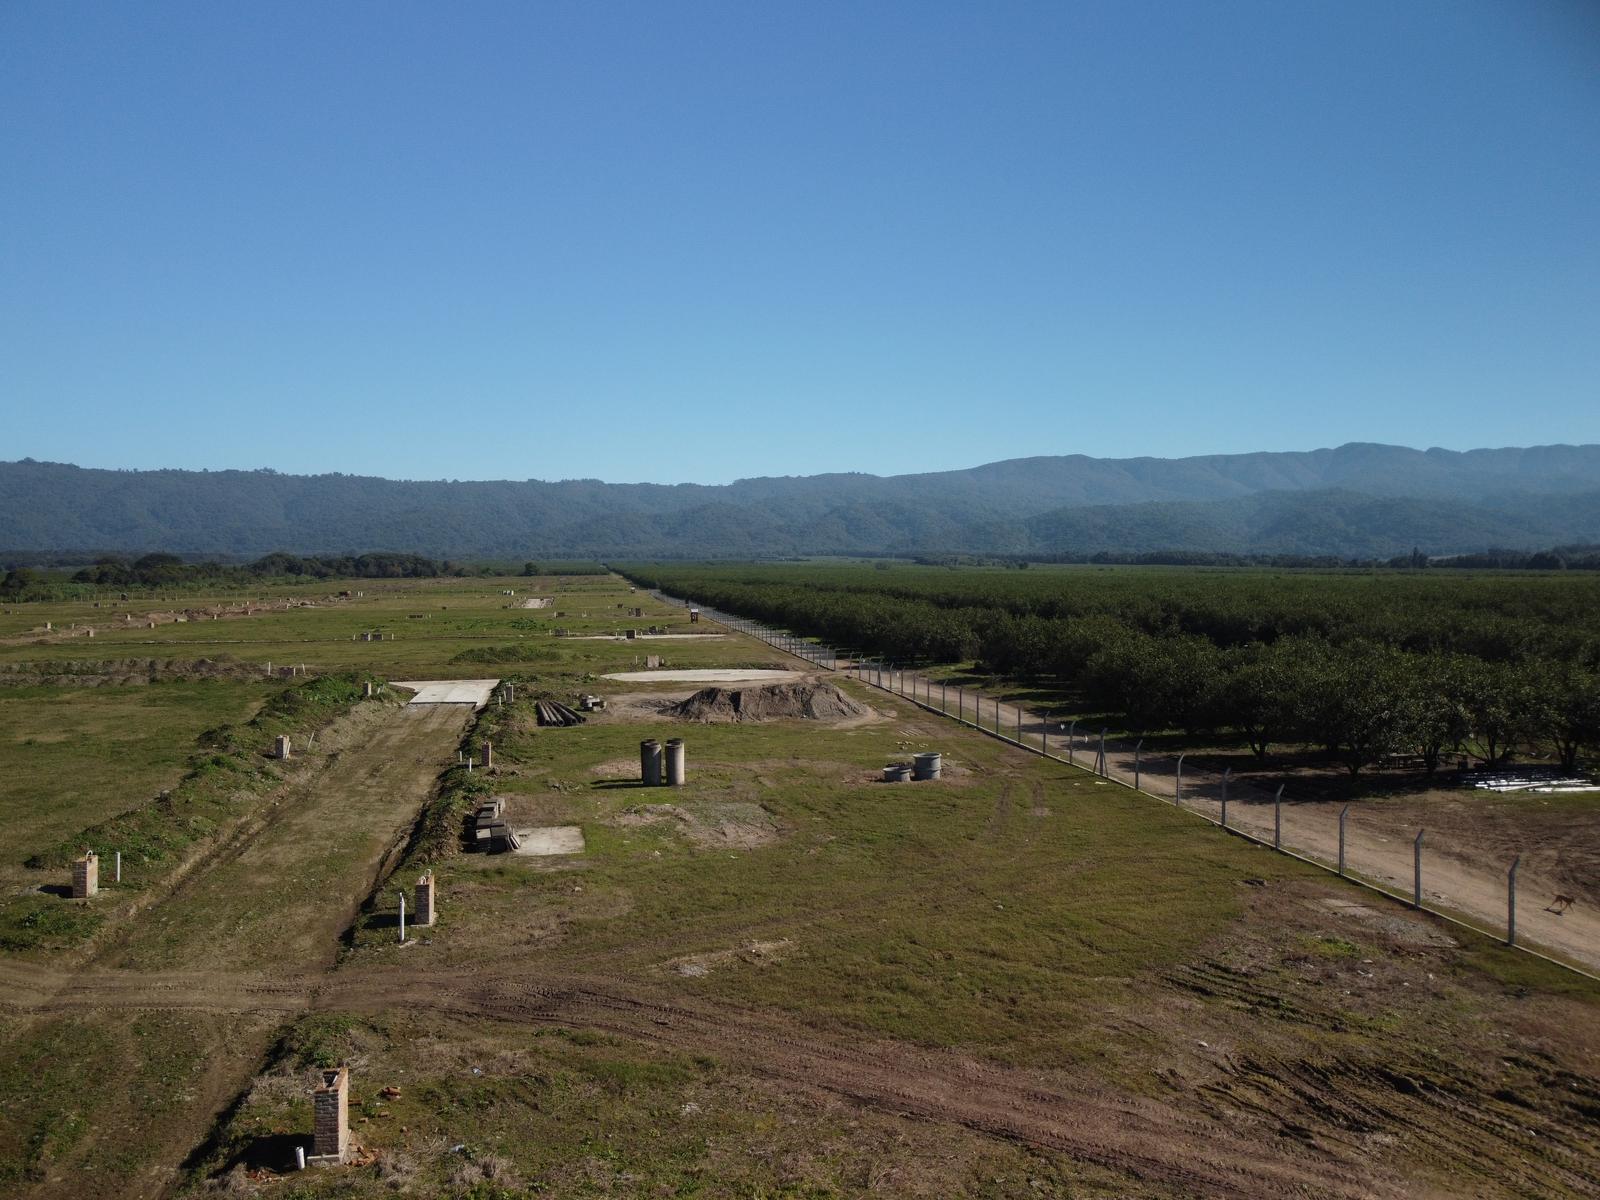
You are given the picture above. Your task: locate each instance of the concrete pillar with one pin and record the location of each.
(280, 748)
(675, 773)
(369, 689)
(424, 913)
(330, 1139)
(488, 753)
(650, 762)
(86, 875)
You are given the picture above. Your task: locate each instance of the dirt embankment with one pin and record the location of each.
(122, 671)
(811, 701)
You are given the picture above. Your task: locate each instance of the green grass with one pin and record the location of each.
(72, 757)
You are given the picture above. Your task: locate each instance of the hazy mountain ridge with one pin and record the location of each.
(1355, 500)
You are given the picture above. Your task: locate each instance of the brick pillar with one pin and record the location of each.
(424, 901)
(86, 875)
(281, 748)
(331, 1132)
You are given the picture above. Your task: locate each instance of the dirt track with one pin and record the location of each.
(278, 890)
(1157, 1142)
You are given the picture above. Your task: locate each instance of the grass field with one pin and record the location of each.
(783, 979)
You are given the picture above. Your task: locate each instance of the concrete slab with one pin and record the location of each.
(707, 675)
(549, 840)
(476, 692)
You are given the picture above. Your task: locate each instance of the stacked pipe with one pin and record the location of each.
(551, 713)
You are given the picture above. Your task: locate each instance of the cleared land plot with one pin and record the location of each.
(784, 978)
(75, 756)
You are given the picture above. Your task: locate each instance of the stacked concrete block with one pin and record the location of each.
(330, 1140)
(86, 875)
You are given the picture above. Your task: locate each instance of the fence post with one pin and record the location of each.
(402, 916)
(1277, 819)
(1019, 724)
(997, 730)
(1511, 901)
(1343, 813)
(1177, 784)
(1416, 870)
(941, 698)
(1226, 776)
(1044, 735)
(1137, 748)
(961, 705)
(1102, 752)
(1072, 740)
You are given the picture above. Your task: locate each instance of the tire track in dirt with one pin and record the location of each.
(1155, 1141)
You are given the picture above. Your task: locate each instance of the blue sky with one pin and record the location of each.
(699, 241)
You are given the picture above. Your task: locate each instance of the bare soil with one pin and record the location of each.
(810, 700)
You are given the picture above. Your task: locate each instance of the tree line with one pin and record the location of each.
(1364, 666)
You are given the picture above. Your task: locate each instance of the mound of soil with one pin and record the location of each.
(806, 700)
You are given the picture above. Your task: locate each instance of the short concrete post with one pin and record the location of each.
(488, 753)
(1138, 748)
(675, 770)
(1019, 724)
(1177, 784)
(1416, 870)
(1511, 901)
(425, 897)
(299, 1158)
(941, 698)
(280, 748)
(331, 1131)
(402, 916)
(269, 668)
(1102, 766)
(119, 866)
(369, 689)
(1343, 813)
(86, 875)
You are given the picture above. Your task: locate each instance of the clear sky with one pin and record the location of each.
(697, 241)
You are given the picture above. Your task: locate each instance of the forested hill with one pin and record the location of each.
(1356, 500)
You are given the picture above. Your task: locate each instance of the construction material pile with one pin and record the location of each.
(489, 833)
(558, 715)
(806, 700)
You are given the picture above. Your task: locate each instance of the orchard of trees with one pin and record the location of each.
(1365, 665)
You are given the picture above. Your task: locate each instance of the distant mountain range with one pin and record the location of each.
(1359, 500)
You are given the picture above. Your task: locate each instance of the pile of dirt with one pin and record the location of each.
(807, 700)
